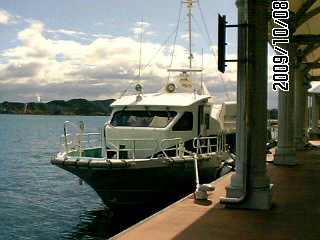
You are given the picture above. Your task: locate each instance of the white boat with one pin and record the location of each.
(155, 148)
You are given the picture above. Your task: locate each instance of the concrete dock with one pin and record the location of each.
(295, 213)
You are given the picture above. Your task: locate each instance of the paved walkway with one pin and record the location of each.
(294, 215)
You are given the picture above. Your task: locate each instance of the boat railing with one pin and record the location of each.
(222, 142)
(206, 144)
(89, 140)
(176, 145)
(68, 142)
(66, 139)
(120, 146)
(210, 144)
(78, 141)
(123, 148)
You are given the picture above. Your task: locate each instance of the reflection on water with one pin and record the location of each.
(103, 224)
(93, 224)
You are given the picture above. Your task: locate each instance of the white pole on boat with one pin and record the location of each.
(141, 31)
(190, 35)
(81, 127)
(201, 190)
(65, 138)
(104, 140)
(196, 170)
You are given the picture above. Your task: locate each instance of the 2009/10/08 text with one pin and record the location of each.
(280, 35)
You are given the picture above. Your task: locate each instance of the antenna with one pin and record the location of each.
(201, 72)
(190, 35)
(141, 30)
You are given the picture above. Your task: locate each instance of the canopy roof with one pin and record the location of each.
(161, 99)
(304, 25)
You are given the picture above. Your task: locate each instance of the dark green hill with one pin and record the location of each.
(60, 107)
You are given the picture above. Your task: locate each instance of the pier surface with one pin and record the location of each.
(295, 213)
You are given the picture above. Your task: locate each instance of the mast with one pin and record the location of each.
(186, 74)
(190, 33)
(141, 30)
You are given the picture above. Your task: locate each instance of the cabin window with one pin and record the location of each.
(154, 119)
(185, 123)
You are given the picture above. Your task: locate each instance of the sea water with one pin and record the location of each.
(39, 200)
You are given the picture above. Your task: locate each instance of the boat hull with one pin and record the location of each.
(151, 182)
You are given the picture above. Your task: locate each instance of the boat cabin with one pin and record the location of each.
(153, 122)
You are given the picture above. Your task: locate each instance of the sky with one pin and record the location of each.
(90, 49)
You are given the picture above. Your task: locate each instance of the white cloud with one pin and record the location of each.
(186, 36)
(67, 32)
(142, 24)
(142, 27)
(101, 36)
(4, 17)
(7, 18)
(46, 60)
(99, 69)
(98, 24)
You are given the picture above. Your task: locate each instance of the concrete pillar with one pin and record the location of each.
(300, 106)
(315, 118)
(252, 107)
(286, 153)
(306, 113)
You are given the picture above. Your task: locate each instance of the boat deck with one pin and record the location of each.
(295, 213)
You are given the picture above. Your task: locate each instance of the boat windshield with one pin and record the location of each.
(134, 118)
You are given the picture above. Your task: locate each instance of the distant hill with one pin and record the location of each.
(60, 107)
(72, 107)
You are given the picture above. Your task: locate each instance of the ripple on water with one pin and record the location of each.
(41, 201)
